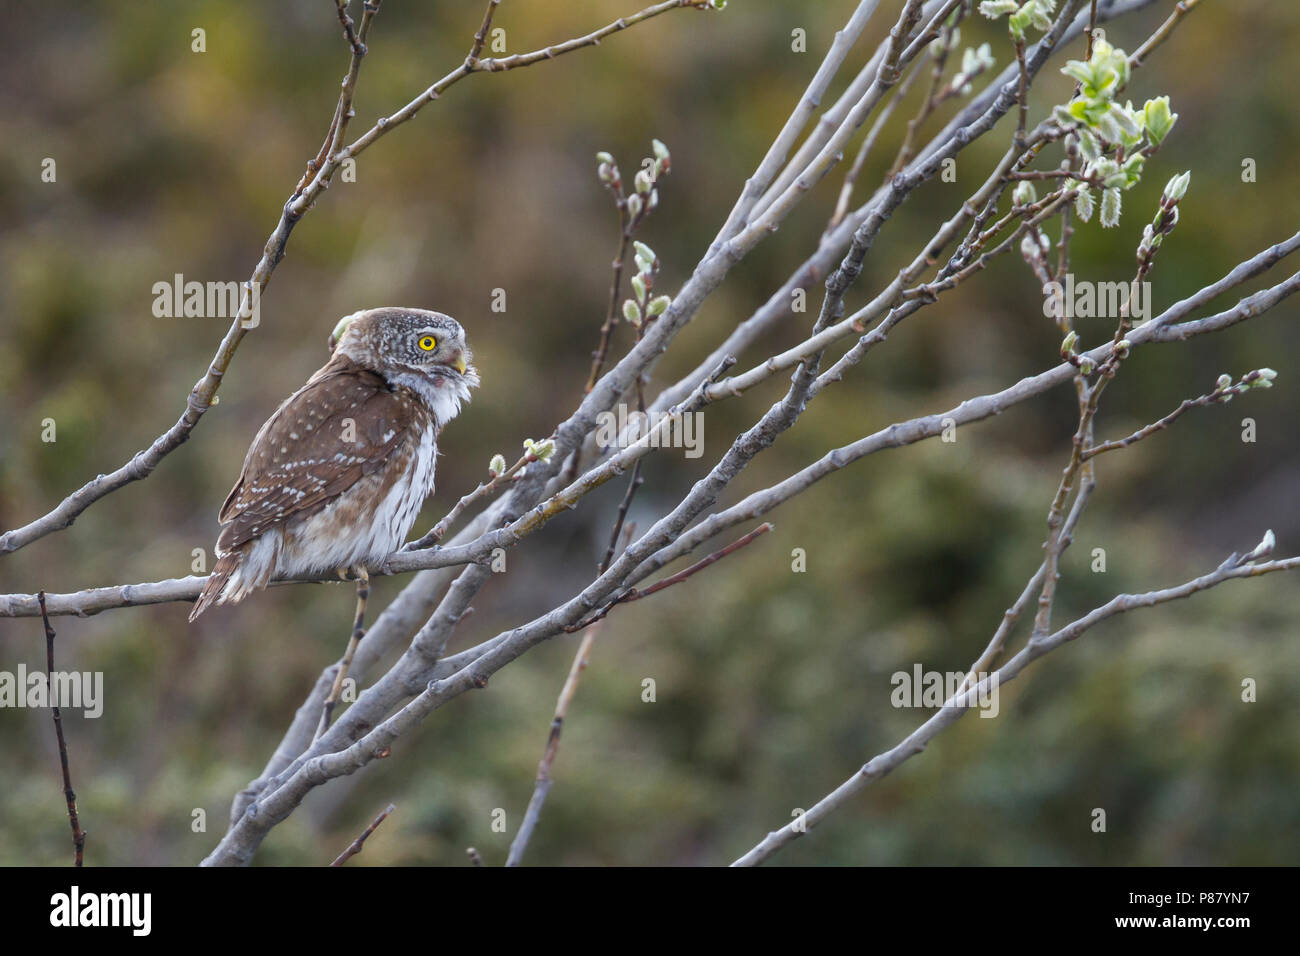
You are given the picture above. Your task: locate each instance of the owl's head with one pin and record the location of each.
(425, 351)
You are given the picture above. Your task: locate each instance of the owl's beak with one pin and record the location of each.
(459, 364)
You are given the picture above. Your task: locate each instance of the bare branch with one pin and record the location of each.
(634, 594)
(358, 632)
(543, 786)
(776, 154)
(1221, 395)
(1163, 32)
(484, 490)
(356, 845)
(955, 707)
(346, 22)
(69, 795)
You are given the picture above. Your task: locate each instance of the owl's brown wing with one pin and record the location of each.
(343, 424)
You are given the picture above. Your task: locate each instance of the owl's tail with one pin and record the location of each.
(226, 566)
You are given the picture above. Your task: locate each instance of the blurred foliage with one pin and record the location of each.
(772, 686)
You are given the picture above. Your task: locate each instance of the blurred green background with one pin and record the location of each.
(772, 686)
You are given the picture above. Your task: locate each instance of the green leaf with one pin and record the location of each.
(1078, 70)
(1176, 188)
(1158, 119)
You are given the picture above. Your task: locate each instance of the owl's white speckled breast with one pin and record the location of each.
(370, 520)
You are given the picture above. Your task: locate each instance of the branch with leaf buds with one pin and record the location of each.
(1224, 391)
(498, 475)
(632, 211)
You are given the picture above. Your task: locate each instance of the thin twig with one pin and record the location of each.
(78, 835)
(1035, 583)
(345, 21)
(615, 287)
(356, 845)
(358, 632)
(484, 490)
(543, 784)
(343, 109)
(632, 486)
(1216, 397)
(1022, 96)
(480, 38)
(868, 143)
(491, 65)
(635, 594)
(906, 150)
(1163, 32)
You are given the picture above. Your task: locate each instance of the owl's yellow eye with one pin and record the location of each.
(428, 343)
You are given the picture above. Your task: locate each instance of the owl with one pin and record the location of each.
(336, 477)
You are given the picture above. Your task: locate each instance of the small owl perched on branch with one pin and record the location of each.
(336, 477)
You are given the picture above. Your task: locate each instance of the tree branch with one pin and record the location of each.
(69, 795)
(955, 707)
(356, 845)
